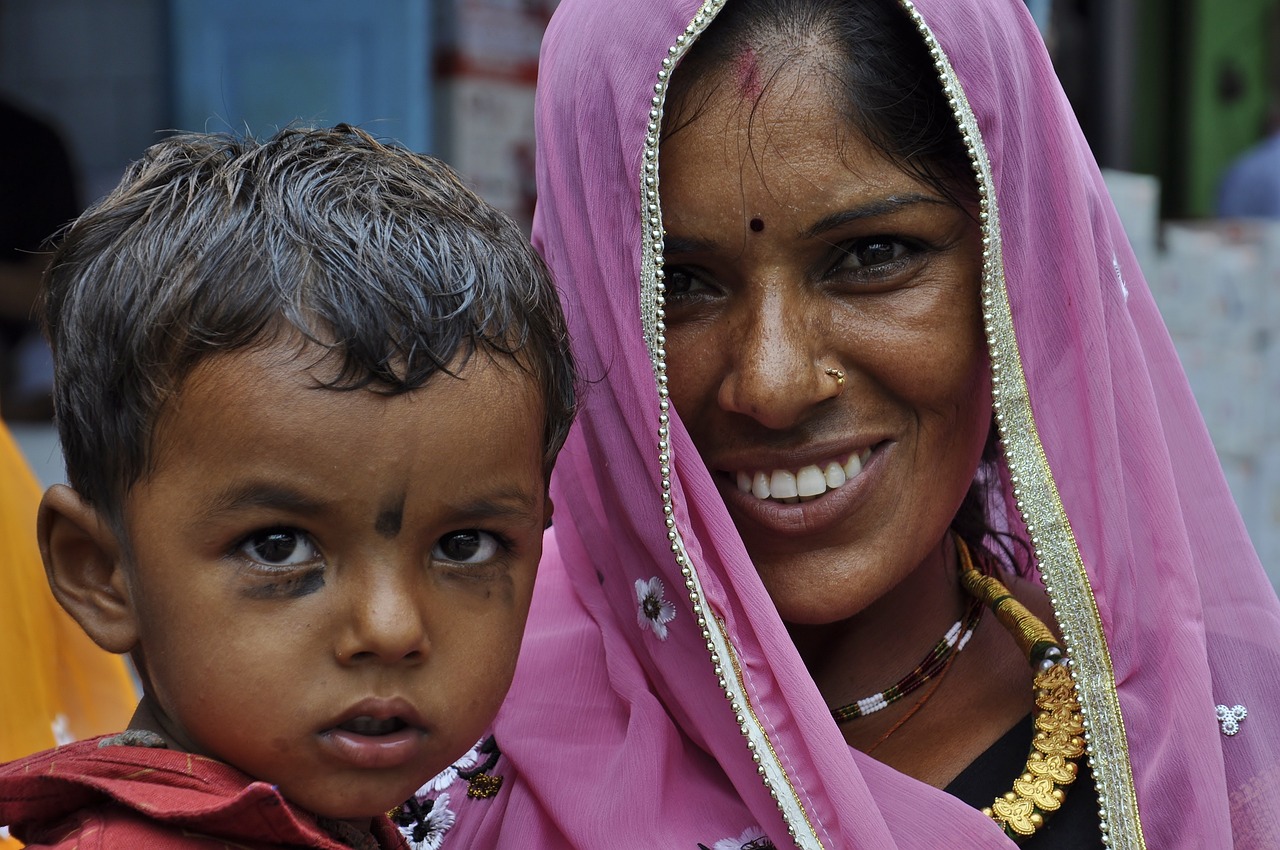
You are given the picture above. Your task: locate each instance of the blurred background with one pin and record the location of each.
(1171, 95)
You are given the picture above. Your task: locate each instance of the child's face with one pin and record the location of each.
(330, 587)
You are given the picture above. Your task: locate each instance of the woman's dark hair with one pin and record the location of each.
(882, 78)
(877, 66)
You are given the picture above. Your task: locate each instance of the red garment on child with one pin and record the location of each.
(87, 797)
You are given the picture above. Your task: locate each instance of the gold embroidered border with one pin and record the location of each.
(1041, 505)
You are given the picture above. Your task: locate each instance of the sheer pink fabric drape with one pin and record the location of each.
(614, 737)
(1190, 618)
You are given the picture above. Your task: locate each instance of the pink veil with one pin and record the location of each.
(630, 731)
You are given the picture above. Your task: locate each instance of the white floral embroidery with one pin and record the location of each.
(1230, 718)
(445, 778)
(429, 833)
(655, 611)
(751, 839)
(62, 731)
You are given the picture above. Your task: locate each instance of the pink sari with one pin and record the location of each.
(699, 724)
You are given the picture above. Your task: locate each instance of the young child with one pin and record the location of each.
(309, 391)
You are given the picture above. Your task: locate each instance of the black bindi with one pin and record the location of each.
(389, 521)
(757, 224)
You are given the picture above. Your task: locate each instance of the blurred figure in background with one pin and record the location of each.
(56, 686)
(1251, 187)
(39, 192)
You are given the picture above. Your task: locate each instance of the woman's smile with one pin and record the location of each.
(778, 514)
(803, 484)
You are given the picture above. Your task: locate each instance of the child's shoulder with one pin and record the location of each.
(49, 800)
(88, 796)
(108, 825)
(115, 765)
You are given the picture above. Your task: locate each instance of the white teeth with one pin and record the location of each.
(782, 485)
(760, 485)
(852, 467)
(810, 481)
(834, 475)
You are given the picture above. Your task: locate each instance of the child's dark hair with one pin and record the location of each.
(213, 243)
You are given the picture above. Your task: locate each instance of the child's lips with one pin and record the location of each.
(377, 733)
(376, 726)
(396, 749)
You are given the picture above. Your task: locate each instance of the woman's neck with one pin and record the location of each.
(872, 650)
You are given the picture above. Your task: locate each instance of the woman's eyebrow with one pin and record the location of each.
(880, 206)
(871, 209)
(685, 245)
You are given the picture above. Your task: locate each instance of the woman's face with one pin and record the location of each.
(793, 247)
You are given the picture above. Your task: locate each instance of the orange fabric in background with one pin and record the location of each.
(50, 672)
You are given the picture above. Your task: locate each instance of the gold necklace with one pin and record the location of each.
(1058, 740)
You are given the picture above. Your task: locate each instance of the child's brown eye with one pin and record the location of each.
(469, 546)
(279, 547)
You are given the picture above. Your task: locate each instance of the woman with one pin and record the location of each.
(814, 308)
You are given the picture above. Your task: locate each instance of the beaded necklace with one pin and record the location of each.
(1058, 741)
(934, 663)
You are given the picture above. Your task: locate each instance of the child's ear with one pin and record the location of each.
(85, 565)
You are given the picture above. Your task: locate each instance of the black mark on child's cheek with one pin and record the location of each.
(291, 587)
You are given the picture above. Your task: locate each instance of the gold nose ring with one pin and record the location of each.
(838, 374)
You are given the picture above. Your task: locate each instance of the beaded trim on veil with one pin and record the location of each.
(724, 660)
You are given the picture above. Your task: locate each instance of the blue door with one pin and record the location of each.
(260, 65)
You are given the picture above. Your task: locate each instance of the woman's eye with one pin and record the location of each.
(466, 547)
(280, 547)
(878, 251)
(681, 282)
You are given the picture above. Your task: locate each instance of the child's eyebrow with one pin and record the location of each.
(507, 503)
(259, 495)
(512, 503)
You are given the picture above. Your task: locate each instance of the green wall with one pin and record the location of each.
(1202, 78)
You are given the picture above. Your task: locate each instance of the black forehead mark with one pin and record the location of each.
(390, 519)
(757, 224)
